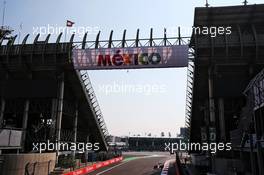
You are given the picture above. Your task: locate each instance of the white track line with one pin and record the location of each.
(111, 168)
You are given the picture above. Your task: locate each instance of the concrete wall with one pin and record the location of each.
(14, 164)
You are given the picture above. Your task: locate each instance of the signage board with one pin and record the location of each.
(131, 57)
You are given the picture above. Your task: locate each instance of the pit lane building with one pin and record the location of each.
(225, 91)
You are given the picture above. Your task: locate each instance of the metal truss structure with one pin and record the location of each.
(189, 97)
(94, 105)
(255, 91)
(137, 42)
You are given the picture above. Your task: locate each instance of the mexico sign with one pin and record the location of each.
(131, 58)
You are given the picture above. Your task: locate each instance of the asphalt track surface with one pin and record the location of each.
(138, 164)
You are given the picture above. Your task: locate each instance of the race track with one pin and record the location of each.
(136, 164)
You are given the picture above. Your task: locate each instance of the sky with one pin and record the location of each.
(127, 112)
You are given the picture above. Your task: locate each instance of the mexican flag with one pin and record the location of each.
(69, 23)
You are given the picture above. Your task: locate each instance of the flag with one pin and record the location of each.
(69, 23)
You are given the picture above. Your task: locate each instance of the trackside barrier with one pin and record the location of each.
(94, 167)
(165, 169)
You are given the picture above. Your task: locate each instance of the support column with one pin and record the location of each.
(211, 114)
(86, 154)
(59, 110)
(252, 156)
(259, 152)
(211, 100)
(75, 125)
(60, 107)
(260, 157)
(259, 145)
(24, 126)
(221, 107)
(53, 118)
(2, 112)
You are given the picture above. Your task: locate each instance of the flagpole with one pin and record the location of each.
(65, 31)
(19, 34)
(207, 5)
(65, 34)
(68, 24)
(245, 2)
(3, 17)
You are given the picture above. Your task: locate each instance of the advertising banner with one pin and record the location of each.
(131, 58)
